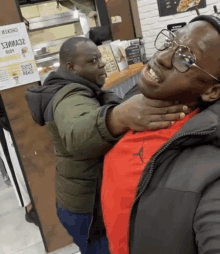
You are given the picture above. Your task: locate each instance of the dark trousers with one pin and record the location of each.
(77, 225)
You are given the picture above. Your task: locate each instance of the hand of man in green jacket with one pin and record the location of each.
(140, 113)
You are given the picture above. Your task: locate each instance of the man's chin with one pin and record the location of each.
(100, 82)
(146, 92)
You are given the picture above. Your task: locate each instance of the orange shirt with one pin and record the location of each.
(123, 167)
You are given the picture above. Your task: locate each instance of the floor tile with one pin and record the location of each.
(39, 249)
(34, 249)
(8, 201)
(16, 234)
(70, 249)
(3, 185)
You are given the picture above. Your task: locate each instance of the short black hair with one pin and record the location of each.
(213, 20)
(69, 48)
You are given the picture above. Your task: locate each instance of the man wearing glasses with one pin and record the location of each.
(161, 189)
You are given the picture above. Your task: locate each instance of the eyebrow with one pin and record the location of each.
(94, 55)
(200, 45)
(91, 57)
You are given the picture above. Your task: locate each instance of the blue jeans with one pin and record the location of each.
(77, 225)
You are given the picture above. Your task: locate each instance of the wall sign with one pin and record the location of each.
(133, 54)
(17, 64)
(174, 27)
(171, 7)
(108, 57)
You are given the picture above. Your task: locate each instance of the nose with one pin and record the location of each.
(101, 64)
(164, 58)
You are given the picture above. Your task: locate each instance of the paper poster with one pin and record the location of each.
(170, 7)
(108, 57)
(17, 64)
(120, 58)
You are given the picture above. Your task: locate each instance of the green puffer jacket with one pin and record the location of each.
(75, 114)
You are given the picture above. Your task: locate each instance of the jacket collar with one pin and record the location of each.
(203, 128)
(72, 78)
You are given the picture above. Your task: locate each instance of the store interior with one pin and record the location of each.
(124, 35)
(50, 23)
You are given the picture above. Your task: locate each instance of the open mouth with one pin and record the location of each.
(152, 74)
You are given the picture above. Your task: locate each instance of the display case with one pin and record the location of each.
(47, 57)
(48, 28)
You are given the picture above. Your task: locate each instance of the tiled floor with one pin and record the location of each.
(18, 236)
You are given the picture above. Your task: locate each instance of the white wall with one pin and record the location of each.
(151, 23)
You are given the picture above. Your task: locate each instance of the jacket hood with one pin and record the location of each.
(40, 98)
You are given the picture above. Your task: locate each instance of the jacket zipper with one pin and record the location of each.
(150, 174)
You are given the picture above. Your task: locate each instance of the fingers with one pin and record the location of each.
(158, 125)
(169, 110)
(168, 117)
(156, 122)
(160, 118)
(164, 107)
(158, 103)
(175, 109)
(155, 126)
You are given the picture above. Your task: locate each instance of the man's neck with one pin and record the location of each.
(64, 73)
(192, 106)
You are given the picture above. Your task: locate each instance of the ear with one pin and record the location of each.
(70, 67)
(212, 93)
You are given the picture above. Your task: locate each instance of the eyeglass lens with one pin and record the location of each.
(182, 58)
(164, 40)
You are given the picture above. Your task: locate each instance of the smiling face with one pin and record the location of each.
(88, 63)
(160, 79)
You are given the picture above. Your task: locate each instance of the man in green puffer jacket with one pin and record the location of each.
(85, 122)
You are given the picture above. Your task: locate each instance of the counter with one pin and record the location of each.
(121, 82)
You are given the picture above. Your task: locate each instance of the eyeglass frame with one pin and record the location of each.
(194, 64)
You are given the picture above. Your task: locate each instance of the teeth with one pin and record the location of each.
(153, 75)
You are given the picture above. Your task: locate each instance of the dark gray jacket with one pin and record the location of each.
(177, 206)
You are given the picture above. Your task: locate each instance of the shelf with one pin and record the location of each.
(37, 49)
(52, 20)
(48, 59)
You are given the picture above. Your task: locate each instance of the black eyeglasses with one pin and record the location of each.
(183, 58)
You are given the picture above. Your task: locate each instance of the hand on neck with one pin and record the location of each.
(191, 106)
